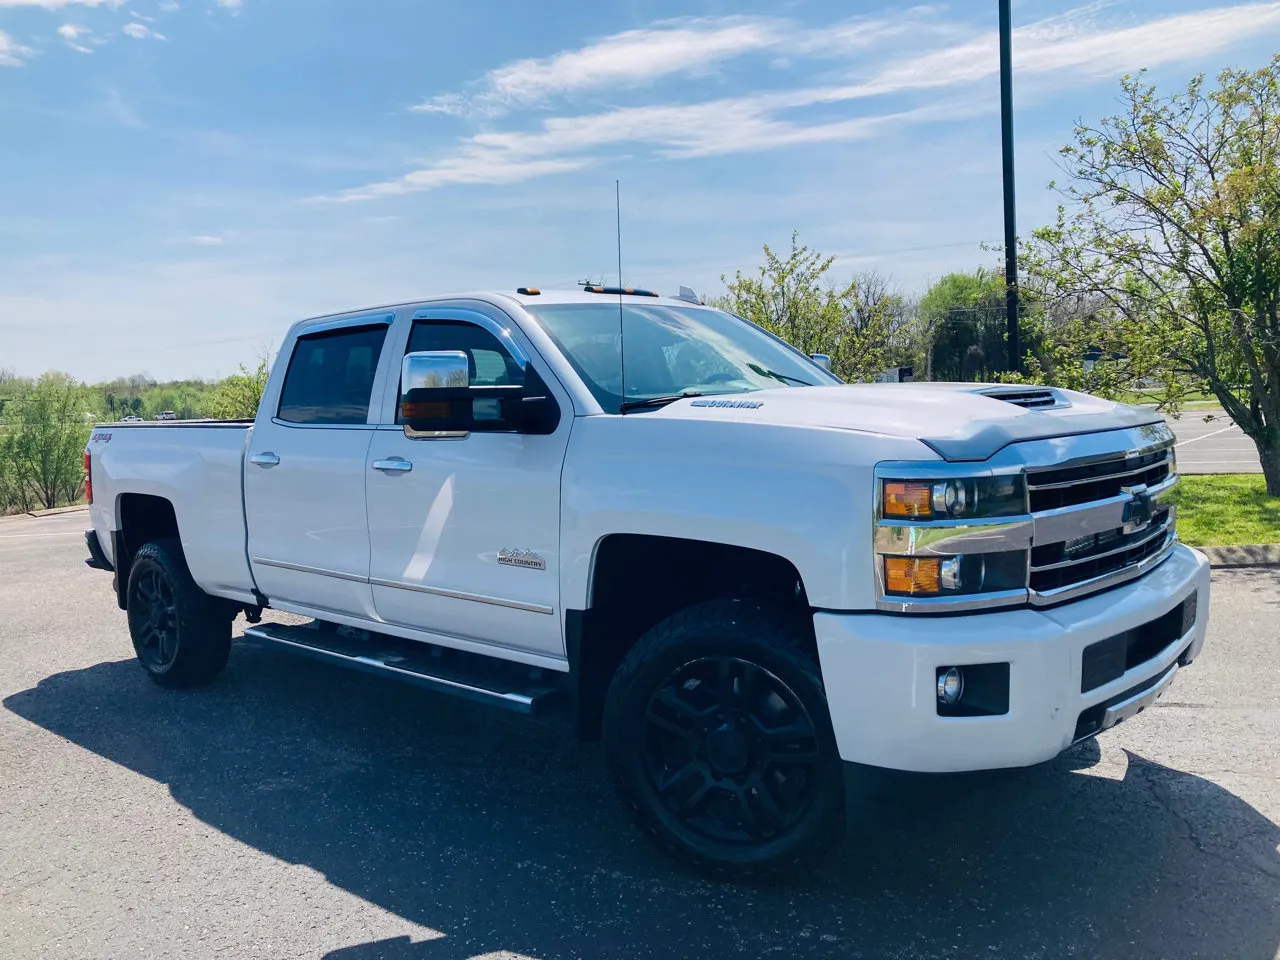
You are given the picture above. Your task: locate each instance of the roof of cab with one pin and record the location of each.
(497, 296)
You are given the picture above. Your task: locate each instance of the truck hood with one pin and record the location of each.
(959, 421)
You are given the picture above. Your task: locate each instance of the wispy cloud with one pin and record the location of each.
(12, 53)
(204, 240)
(122, 112)
(140, 31)
(235, 6)
(1061, 49)
(637, 58)
(73, 35)
(59, 4)
(1075, 44)
(565, 144)
(167, 6)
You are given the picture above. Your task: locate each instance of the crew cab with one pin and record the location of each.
(753, 580)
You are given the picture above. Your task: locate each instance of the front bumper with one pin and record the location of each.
(880, 673)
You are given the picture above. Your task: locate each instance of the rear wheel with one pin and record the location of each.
(181, 635)
(718, 730)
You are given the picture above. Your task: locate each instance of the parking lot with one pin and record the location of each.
(294, 810)
(1209, 442)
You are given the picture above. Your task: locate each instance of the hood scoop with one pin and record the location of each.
(1030, 398)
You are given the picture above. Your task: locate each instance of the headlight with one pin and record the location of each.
(973, 498)
(956, 576)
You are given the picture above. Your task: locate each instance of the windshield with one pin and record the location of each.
(671, 351)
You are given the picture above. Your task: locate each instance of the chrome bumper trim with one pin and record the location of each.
(1134, 705)
(1086, 587)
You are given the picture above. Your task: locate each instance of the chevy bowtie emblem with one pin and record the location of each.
(521, 558)
(1137, 512)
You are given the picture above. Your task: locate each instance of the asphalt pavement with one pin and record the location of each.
(296, 810)
(1210, 442)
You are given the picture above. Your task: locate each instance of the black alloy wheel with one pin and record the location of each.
(717, 729)
(182, 636)
(156, 635)
(730, 750)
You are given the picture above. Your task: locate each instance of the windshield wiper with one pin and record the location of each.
(649, 403)
(774, 374)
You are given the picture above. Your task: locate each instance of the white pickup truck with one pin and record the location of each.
(748, 576)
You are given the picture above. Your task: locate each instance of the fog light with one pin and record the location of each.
(950, 686)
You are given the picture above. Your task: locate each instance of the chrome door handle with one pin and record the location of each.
(267, 459)
(394, 465)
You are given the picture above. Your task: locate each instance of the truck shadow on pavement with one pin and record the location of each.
(504, 834)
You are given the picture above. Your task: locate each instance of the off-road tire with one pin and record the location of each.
(196, 625)
(773, 640)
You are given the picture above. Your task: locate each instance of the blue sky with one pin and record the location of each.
(181, 179)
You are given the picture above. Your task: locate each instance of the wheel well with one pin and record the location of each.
(638, 581)
(143, 518)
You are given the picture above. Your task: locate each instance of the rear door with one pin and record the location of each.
(305, 472)
(465, 530)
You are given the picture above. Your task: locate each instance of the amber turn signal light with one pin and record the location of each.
(908, 499)
(428, 410)
(913, 576)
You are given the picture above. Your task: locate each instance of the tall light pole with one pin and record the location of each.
(1010, 198)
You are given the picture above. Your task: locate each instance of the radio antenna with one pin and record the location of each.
(617, 199)
(622, 351)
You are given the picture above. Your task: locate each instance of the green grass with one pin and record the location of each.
(1226, 510)
(1192, 399)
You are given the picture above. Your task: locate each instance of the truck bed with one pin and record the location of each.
(198, 466)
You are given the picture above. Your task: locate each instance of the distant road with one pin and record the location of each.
(1216, 446)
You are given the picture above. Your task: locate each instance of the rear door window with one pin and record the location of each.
(330, 376)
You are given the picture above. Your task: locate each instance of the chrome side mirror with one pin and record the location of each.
(439, 402)
(434, 394)
(822, 359)
(432, 370)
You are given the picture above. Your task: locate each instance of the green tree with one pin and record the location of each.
(44, 434)
(791, 298)
(236, 397)
(877, 305)
(964, 316)
(1171, 231)
(12, 386)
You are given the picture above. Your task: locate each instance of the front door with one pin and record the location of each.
(305, 475)
(465, 531)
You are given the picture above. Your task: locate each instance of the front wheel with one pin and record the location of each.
(718, 730)
(181, 635)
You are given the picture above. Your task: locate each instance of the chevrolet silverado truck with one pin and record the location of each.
(752, 580)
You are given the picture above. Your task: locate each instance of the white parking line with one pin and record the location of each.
(36, 536)
(1205, 436)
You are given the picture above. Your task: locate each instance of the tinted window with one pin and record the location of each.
(330, 376)
(491, 365)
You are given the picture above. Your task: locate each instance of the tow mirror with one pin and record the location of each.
(438, 400)
(822, 359)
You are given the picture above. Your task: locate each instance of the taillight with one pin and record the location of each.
(88, 478)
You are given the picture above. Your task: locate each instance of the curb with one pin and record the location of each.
(56, 511)
(1251, 555)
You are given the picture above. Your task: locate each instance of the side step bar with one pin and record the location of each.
(499, 683)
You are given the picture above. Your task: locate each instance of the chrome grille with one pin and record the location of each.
(1098, 514)
(1053, 489)
(1133, 549)
(1116, 489)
